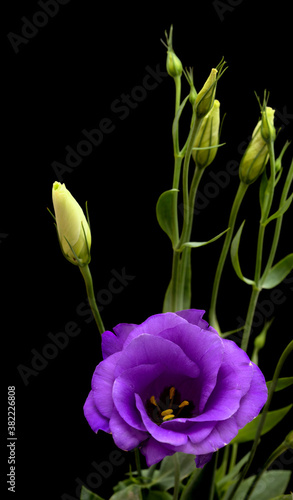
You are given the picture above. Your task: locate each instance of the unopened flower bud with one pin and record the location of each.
(268, 130)
(207, 137)
(289, 440)
(205, 98)
(255, 157)
(72, 226)
(173, 64)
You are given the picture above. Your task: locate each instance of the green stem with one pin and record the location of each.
(187, 208)
(226, 245)
(212, 490)
(256, 288)
(278, 223)
(85, 271)
(276, 453)
(137, 461)
(249, 317)
(233, 457)
(264, 413)
(176, 477)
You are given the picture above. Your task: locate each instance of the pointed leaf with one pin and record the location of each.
(235, 257)
(272, 419)
(164, 211)
(196, 244)
(165, 479)
(271, 483)
(132, 492)
(280, 211)
(88, 495)
(279, 272)
(282, 383)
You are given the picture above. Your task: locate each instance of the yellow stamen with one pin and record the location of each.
(184, 403)
(172, 391)
(153, 401)
(168, 417)
(166, 412)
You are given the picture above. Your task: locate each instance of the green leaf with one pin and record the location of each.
(165, 478)
(271, 483)
(282, 497)
(159, 495)
(279, 272)
(282, 383)
(224, 483)
(196, 244)
(235, 257)
(164, 211)
(88, 495)
(132, 492)
(272, 419)
(280, 211)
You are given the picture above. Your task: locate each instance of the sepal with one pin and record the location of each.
(235, 257)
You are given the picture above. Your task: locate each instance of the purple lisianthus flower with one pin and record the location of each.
(173, 384)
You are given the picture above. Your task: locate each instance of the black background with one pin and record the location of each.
(66, 78)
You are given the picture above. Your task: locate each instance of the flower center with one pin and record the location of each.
(168, 406)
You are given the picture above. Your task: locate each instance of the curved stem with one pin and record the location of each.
(278, 451)
(279, 222)
(226, 245)
(85, 271)
(279, 366)
(249, 317)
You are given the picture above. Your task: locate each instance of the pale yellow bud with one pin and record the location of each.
(205, 98)
(72, 226)
(255, 157)
(207, 137)
(268, 130)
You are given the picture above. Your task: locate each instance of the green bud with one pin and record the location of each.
(205, 98)
(207, 137)
(268, 130)
(173, 64)
(289, 440)
(72, 226)
(255, 157)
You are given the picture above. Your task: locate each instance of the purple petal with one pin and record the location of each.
(150, 350)
(93, 416)
(254, 399)
(207, 350)
(125, 436)
(194, 316)
(225, 398)
(238, 358)
(156, 324)
(102, 384)
(201, 460)
(154, 452)
(222, 433)
(134, 380)
(159, 432)
(114, 343)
